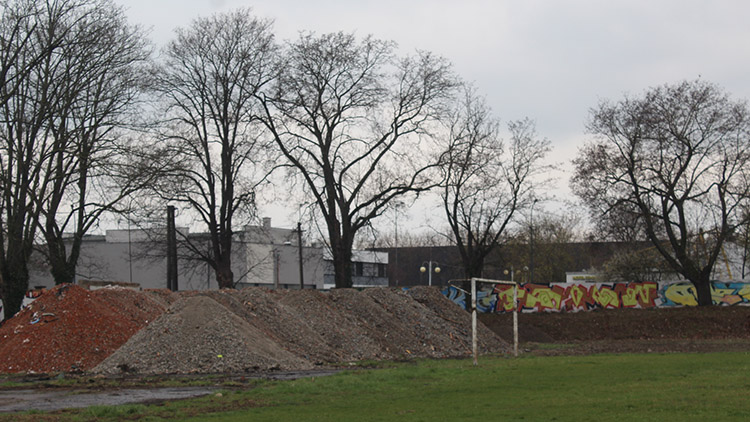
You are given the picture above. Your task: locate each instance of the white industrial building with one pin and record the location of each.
(261, 256)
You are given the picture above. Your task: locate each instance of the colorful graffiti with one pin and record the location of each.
(683, 294)
(572, 297)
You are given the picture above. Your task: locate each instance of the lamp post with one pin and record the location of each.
(531, 242)
(512, 273)
(397, 208)
(429, 270)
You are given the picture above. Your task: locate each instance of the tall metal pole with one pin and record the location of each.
(299, 246)
(515, 319)
(171, 250)
(474, 343)
(130, 250)
(531, 244)
(395, 253)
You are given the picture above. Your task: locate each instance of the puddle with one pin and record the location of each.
(22, 400)
(49, 400)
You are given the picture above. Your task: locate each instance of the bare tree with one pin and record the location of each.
(96, 80)
(208, 81)
(636, 265)
(32, 35)
(679, 155)
(351, 117)
(486, 182)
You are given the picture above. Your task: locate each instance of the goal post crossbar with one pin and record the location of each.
(474, 337)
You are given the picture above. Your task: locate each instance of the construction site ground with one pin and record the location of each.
(96, 342)
(656, 330)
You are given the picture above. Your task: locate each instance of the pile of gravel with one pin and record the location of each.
(455, 321)
(257, 329)
(344, 337)
(199, 335)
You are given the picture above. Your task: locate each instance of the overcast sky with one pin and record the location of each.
(548, 60)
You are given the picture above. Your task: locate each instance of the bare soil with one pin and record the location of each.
(120, 331)
(687, 329)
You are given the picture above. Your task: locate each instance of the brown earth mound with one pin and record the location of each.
(293, 330)
(454, 319)
(341, 337)
(69, 328)
(198, 335)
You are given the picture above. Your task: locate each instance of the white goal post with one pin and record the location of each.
(474, 345)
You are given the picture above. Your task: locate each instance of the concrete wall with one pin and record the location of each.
(573, 297)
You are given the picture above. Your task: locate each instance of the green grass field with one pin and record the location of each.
(642, 387)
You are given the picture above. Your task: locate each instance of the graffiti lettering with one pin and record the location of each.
(571, 297)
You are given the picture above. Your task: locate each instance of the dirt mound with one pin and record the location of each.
(456, 322)
(198, 335)
(162, 296)
(289, 326)
(267, 329)
(344, 339)
(426, 332)
(69, 328)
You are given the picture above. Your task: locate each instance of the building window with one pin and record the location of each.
(381, 270)
(359, 269)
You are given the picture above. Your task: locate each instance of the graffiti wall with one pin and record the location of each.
(573, 297)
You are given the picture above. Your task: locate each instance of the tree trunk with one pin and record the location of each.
(342, 267)
(224, 274)
(14, 286)
(63, 270)
(474, 267)
(703, 292)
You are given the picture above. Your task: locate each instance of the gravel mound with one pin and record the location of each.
(344, 338)
(456, 322)
(215, 331)
(198, 335)
(287, 325)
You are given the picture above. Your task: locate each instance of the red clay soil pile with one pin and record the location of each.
(255, 329)
(69, 328)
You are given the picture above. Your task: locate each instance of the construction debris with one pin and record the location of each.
(235, 331)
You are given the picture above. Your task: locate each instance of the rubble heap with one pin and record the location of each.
(248, 330)
(69, 328)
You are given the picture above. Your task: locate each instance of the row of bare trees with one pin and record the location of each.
(89, 117)
(70, 75)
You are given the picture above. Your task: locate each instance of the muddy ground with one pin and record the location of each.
(694, 330)
(689, 329)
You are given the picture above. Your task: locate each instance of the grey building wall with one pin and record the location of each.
(261, 256)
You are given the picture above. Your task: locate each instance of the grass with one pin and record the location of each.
(638, 387)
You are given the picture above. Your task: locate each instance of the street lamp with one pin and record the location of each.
(429, 270)
(512, 273)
